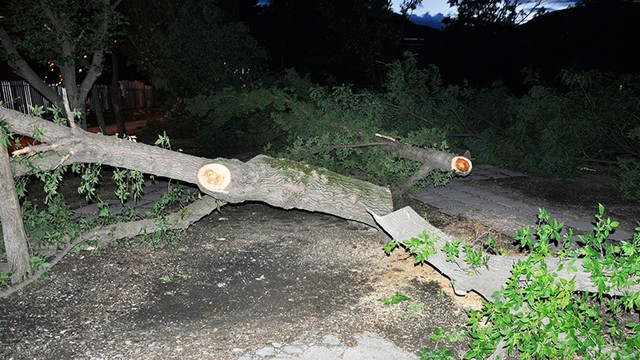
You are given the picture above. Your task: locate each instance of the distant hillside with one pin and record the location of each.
(427, 19)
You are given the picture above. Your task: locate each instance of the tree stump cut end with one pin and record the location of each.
(461, 165)
(214, 177)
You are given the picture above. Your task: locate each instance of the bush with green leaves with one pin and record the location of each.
(539, 315)
(585, 119)
(627, 179)
(333, 128)
(588, 118)
(50, 222)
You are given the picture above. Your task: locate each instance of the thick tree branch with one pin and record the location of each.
(95, 69)
(431, 159)
(439, 160)
(278, 182)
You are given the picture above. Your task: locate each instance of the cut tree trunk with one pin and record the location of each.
(406, 224)
(431, 159)
(15, 238)
(278, 182)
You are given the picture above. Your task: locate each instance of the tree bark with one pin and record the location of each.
(15, 238)
(278, 182)
(96, 107)
(406, 224)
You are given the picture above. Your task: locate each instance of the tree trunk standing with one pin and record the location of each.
(114, 91)
(96, 107)
(23, 69)
(15, 238)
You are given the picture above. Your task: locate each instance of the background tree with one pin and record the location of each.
(68, 35)
(335, 41)
(190, 47)
(475, 14)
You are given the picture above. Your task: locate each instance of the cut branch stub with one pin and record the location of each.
(461, 166)
(214, 177)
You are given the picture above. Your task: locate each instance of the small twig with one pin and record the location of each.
(386, 137)
(34, 149)
(64, 158)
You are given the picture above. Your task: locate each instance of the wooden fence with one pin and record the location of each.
(19, 95)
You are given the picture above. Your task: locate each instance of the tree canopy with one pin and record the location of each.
(190, 47)
(477, 14)
(66, 37)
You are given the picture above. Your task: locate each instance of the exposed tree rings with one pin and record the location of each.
(214, 177)
(461, 165)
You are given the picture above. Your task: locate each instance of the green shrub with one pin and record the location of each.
(333, 128)
(543, 318)
(554, 130)
(540, 315)
(627, 179)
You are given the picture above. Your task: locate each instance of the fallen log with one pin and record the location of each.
(279, 182)
(430, 158)
(405, 223)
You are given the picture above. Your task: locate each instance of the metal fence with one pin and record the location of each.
(19, 95)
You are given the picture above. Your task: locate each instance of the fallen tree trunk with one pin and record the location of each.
(407, 224)
(279, 182)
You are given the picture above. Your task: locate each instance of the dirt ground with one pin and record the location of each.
(235, 281)
(246, 277)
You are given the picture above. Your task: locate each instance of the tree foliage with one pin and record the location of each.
(482, 14)
(66, 38)
(335, 41)
(192, 47)
(332, 127)
(592, 118)
(36, 30)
